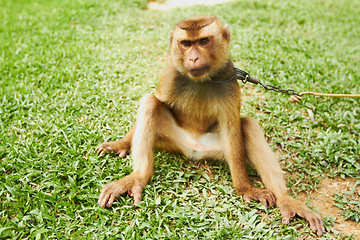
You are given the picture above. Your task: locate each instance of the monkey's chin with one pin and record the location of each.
(199, 75)
(201, 78)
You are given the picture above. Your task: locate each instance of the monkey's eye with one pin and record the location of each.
(204, 41)
(185, 43)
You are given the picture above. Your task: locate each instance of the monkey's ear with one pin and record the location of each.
(226, 33)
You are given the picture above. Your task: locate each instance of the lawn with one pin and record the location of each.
(71, 76)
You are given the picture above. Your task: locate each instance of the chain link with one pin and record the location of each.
(245, 77)
(277, 89)
(242, 75)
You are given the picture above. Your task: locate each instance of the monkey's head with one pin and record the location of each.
(199, 47)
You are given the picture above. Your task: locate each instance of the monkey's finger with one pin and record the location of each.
(314, 227)
(320, 228)
(264, 201)
(111, 200)
(100, 151)
(100, 198)
(316, 224)
(285, 220)
(103, 199)
(272, 200)
(247, 198)
(135, 192)
(286, 217)
(98, 148)
(320, 233)
(137, 198)
(122, 154)
(313, 219)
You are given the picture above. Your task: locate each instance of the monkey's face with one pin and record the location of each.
(199, 51)
(196, 59)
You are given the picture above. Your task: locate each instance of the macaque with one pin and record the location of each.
(196, 112)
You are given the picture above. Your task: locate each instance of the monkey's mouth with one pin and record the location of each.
(198, 71)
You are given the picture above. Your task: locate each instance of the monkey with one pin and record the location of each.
(195, 111)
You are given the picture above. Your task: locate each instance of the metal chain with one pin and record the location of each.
(245, 77)
(277, 89)
(241, 75)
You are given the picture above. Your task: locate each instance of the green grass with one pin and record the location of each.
(71, 75)
(349, 203)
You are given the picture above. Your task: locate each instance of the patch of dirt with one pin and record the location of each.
(171, 4)
(323, 200)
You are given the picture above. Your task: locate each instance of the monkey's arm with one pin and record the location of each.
(141, 138)
(154, 122)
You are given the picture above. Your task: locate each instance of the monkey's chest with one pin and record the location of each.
(195, 123)
(198, 115)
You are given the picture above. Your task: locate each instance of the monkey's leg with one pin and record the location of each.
(154, 121)
(120, 147)
(235, 156)
(267, 165)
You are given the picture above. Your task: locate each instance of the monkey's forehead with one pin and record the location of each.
(196, 22)
(212, 29)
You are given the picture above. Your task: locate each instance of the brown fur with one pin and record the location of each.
(191, 115)
(195, 24)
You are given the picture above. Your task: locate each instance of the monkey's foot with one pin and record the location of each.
(290, 207)
(265, 196)
(119, 147)
(130, 184)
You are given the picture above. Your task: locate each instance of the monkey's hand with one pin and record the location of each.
(120, 147)
(263, 195)
(290, 207)
(131, 184)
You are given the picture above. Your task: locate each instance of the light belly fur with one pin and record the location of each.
(203, 146)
